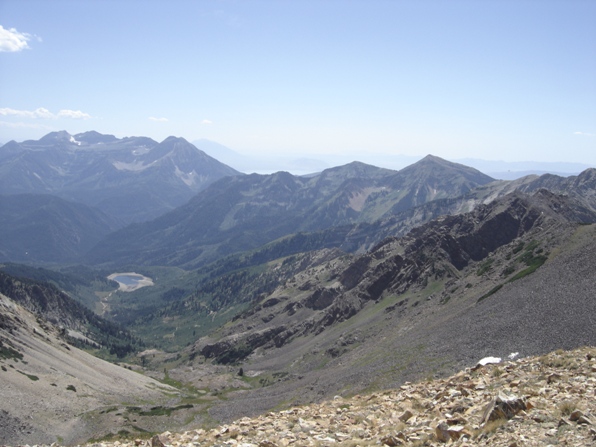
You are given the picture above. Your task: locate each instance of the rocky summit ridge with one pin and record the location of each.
(546, 400)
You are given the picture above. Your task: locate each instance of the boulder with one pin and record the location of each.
(156, 442)
(503, 407)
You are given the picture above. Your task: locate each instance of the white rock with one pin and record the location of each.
(489, 360)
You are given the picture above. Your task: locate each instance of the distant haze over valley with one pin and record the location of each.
(311, 163)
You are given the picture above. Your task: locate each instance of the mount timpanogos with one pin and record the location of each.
(151, 295)
(133, 178)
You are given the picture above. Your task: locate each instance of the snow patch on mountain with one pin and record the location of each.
(189, 179)
(60, 170)
(135, 166)
(140, 150)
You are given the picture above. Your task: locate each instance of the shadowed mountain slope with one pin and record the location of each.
(134, 178)
(59, 309)
(42, 228)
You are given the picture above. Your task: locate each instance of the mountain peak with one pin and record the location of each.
(434, 160)
(110, 173)
(93, 137)
(357, 168)
(61, 135)
(174, 139)
(438, 165)
(431, 157)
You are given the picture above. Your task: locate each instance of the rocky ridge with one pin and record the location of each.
(537, 401)
(438, 251)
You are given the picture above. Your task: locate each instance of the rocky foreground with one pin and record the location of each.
(539, 401)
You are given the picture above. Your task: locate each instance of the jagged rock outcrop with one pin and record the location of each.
(504, 406)
(580, 187)
(238, 346)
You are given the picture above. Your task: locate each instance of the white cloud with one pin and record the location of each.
(37, 113)
(44, 113)
(12, 41)
(207, 122)
(585, 134)
(159, 120)
(74, 114)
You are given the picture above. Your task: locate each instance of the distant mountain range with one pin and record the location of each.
(132, 179)
(362, 202)
(191, 210)
(244, 212)
(513, 170)
(266, 164)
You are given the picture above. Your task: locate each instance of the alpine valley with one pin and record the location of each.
(147, 287)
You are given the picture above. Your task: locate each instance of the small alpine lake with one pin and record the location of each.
(130, 281)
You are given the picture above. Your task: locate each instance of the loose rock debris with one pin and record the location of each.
(540, 401)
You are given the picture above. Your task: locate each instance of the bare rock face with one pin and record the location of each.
(237, 347)
(321, 298)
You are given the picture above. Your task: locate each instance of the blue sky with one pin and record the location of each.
(498, 80)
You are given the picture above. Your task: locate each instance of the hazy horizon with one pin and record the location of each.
(306, 164)
(490, 80)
